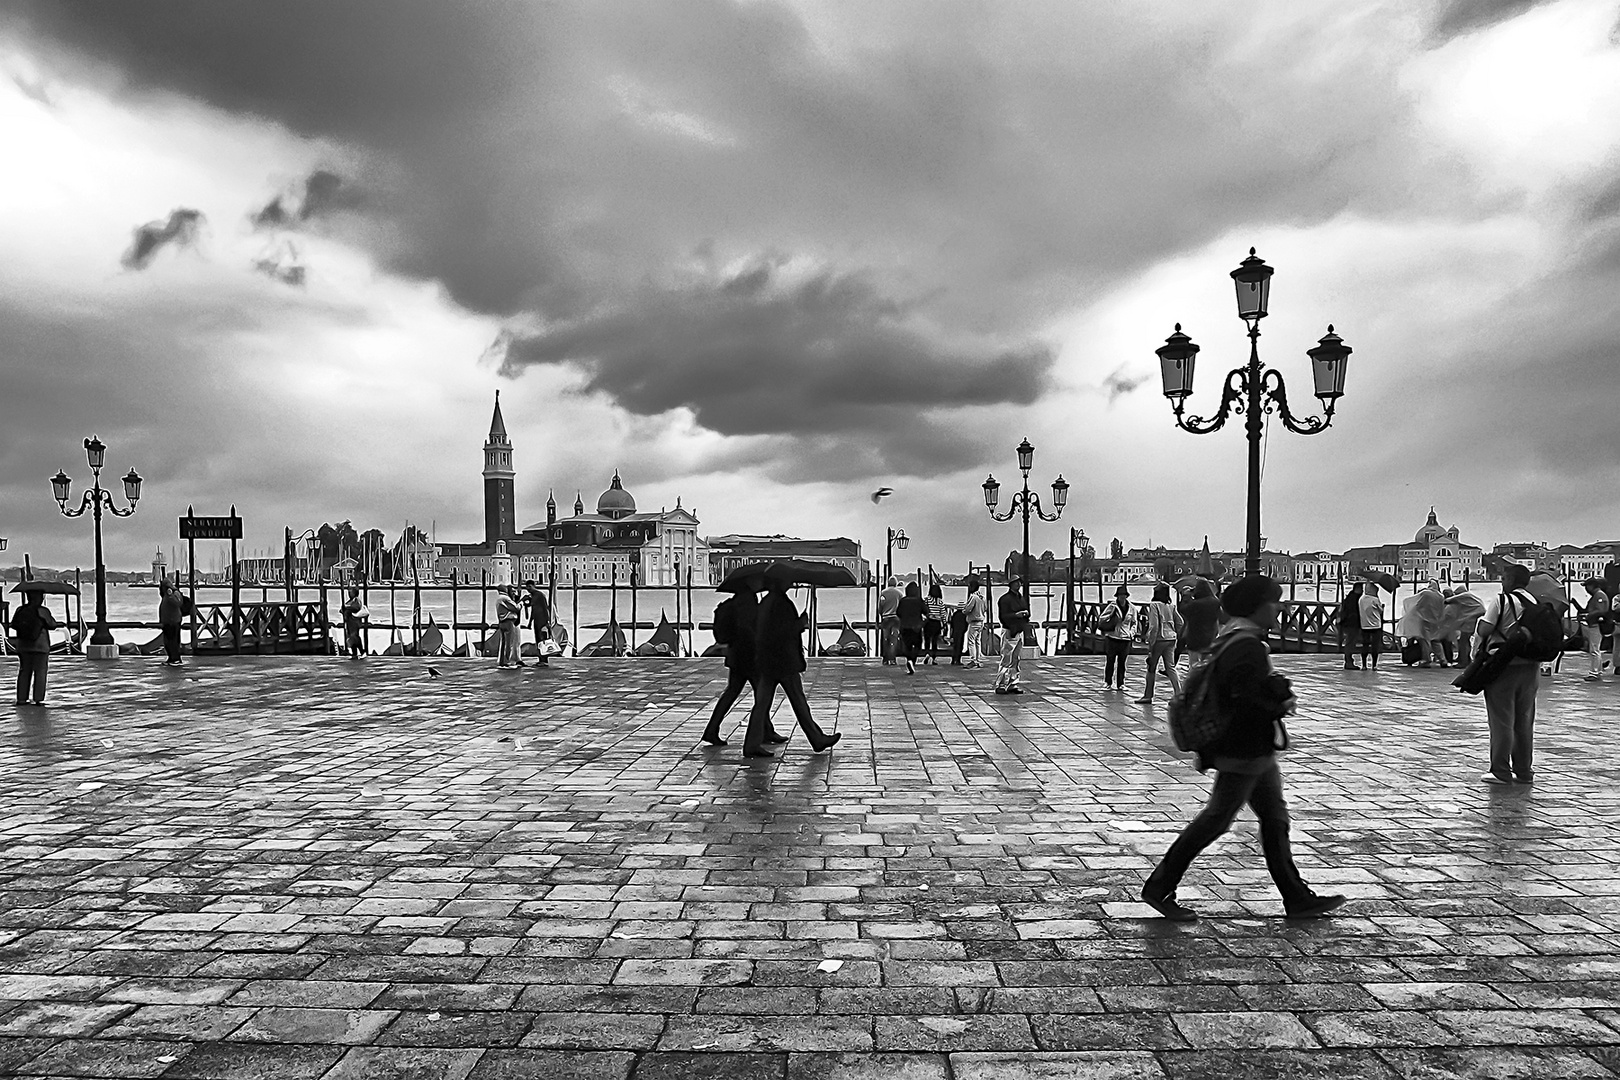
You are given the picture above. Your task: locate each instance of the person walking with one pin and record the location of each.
(172, 605)
(1013, 611)
(958, 630)
(1118, 625)
(934, 624)
(354, 616)
(31, 625)
(888, 608)
(736, 621)
(539, 609)
(779, 662)
(507, 614)
(1200, 616)
(1597, 622)
(1244, 758)
(1164, 629)
(1429, 607)
(1350, 626)
(911, 613)
(1510, 698)
(1372, 626)
(974, 610)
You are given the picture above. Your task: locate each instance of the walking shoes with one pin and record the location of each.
(1314, 907)
(1165, 904)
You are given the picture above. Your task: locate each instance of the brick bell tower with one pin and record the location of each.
(500, 515)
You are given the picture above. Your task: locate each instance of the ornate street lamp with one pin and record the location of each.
(102, 646)
(1024, 501)
(1252, 390)
(897, 538)
(289, 561)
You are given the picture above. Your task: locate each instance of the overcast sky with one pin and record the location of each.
(769, 257)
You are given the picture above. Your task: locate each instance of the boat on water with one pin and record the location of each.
(611, 643)
(664, 641)
(849, 643)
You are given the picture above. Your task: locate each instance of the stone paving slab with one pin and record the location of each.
(302, 867)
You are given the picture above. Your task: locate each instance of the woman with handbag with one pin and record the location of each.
(1597, 622)
(1163, 630)
(1118, 625)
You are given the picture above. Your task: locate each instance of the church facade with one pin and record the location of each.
(611, 545)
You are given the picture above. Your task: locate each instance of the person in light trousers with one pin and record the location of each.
(1164, 627)
(1510, 699)
(975, 609)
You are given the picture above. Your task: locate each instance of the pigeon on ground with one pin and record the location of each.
(433, 672)
(880, 494)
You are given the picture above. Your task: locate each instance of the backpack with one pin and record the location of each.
(725, 622)
(1110, 619)
(1197, 715)
(1539, 633)
(26, 623)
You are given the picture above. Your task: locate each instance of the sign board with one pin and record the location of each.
(211, 528)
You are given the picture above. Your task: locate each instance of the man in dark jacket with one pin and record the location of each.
(1244, 757)
(778, 661)
(1200, 614)
(172, 605)
(32, 622)
(735, 623)
(1013, 610)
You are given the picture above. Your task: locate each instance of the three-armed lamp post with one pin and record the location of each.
(1026, 501)
(1251, 390)
(101, 645)
(897, 538)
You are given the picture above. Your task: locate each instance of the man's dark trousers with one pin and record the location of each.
(1263, 792)
(171, 643)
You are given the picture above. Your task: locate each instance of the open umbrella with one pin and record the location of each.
(1382, 579)
(738, 580)
(1190, 581)
(823, 575)
(49, 588)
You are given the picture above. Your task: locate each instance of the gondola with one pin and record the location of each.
(849, 643)
(664, 641)
(611, 643)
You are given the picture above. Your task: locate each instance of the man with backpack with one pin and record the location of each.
(32, 624)
(1249, 702)
(1515, 620)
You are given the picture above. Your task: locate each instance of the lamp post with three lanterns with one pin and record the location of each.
(1254, 391)
(101, 645)
(1026, 501)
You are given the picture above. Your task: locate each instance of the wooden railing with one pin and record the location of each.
(274, 627)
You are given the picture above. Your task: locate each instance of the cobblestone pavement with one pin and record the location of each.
(290, 868)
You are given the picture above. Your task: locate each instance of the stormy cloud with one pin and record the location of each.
(180, 230)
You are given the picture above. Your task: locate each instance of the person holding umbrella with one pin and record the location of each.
(736, 621)
(779, 661)
(32, 624)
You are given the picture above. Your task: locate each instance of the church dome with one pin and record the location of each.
(615, 501)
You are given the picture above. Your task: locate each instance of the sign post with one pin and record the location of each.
(194, 528)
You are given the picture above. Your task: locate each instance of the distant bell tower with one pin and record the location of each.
(500, 515)
(160, 566)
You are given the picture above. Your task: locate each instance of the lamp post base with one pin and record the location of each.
(101, 652)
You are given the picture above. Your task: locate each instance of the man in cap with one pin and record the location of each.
(1013, 609)
(1255, 700)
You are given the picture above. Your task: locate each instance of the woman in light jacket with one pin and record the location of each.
(1117, 638)
(1162, 632)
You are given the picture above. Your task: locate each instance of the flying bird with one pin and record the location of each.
(880, 494)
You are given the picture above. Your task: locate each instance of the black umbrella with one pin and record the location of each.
(739, 579)
(1382, 579)
(49, 588)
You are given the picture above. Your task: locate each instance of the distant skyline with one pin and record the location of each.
(768, 257)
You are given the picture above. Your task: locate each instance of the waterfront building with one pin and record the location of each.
(726, 553)
(607, 546)
(1534, 554)
(1435, 552)
(1576, 564)
(1318, 568)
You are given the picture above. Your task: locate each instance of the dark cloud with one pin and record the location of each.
(1118, 382)
(323, 194)
(283, 264)
(751, 354)
(1459, 17)
(180, 230)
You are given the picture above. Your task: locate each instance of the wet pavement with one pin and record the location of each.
(289, 868)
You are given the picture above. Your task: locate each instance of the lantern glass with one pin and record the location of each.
(1060, 493)
(992, 491)
(1328, 362)
(61, 484)
(95, 452)
(1176, 359)
(901, 540)
(1253, 281)
(132, 487)
(1026, 455)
